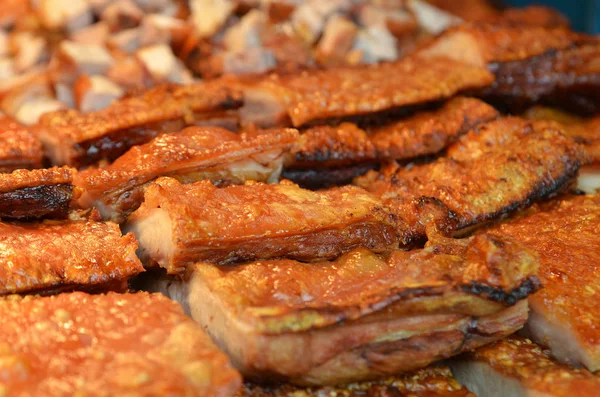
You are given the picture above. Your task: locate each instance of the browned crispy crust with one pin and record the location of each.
(260, 221)
(195, 153)
(428, 382)
(64, 255)
(19, 149)
(108, 345)
(80, 139)
(565, 235)
(350, 91)
(493, 170)
(41, 193)
(532, 366)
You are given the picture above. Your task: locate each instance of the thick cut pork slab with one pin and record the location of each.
(566, 312)
(518, 367)
(363, 315)
(493, 170)
(53, 256)
(343, 92)
(80, 139)
(428, 382)
(178, 225)
(19, 148)
(41, 193)
(108, 345)
(196, 153)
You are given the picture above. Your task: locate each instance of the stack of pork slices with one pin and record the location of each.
(422, 225)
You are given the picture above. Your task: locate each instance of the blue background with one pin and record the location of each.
(584, 14)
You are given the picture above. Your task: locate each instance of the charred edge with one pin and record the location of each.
(120, 286)
(525, 288)
(51, 201)
(321, 178)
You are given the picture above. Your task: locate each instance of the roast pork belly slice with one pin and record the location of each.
(39, 193)
(80, 139)
(109, 345)
(54, 256)
(434, 381)
(364, 315)
(350, 91)
(565, 313)
(19, 148)
(491, 171)
(518, 367)
(179, 225)
(195, 153)
(589, 179)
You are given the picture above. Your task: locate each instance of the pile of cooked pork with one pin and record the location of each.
(298, 198)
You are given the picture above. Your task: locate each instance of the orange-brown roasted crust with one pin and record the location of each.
(80, 139)
(108, 345)
(35, 257)
(195, 153)
(533, 15)
(40, 193)
(350, 91)
(19, 149)
(500, 167)
(428, 382)
(260, 221)
(565, 235)
(475, 276)
(531, 365)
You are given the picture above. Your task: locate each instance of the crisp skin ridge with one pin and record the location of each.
(565, 233)
(19, 148)
(108, 345)
(195, 153)
(54, 256)
(81, 139)
(255, 221)
(493, 170)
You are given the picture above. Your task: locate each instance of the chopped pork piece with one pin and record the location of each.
(518, 367)
(78, 58)
(208, 16)
(108, 345)
(64, 94)
(255, 221)
(80, 139)
(309, 18)
(431, 18)
(196, 153)
(94, 93)
(19, 148)
(338, 37)
(69, 15)
(95, 34)
(491, 171)
(129, 73)
(31, 112)
(250, 61)
(364, 315)
(31, 50)
(40, 193)
(589, 179)
(122, 14)
(344, 92)
(162, 64)
(247, 33)
(564, 313)
(376, 44)
(51, 257)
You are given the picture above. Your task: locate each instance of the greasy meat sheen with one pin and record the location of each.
(351, 91)
(18, 147)
(53, 256)
(428, 382)
(79, 139)
(108, 345)
(495, 169)
(565, 313)
(518, 367)
(196, 153)
(364, 315)
(40, 193)
(178, 225)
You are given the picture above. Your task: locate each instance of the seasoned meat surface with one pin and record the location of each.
(19, 148)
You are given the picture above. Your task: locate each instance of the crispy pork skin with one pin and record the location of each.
(490, 171)
(428, 382)
(342, 92)
(40, 193)
(108, 345)
(363, 315)
(518, 367)
(59, 255)
(195, 153)
(178, 225)
(19, 148)
(565, 313)
(80, 139)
